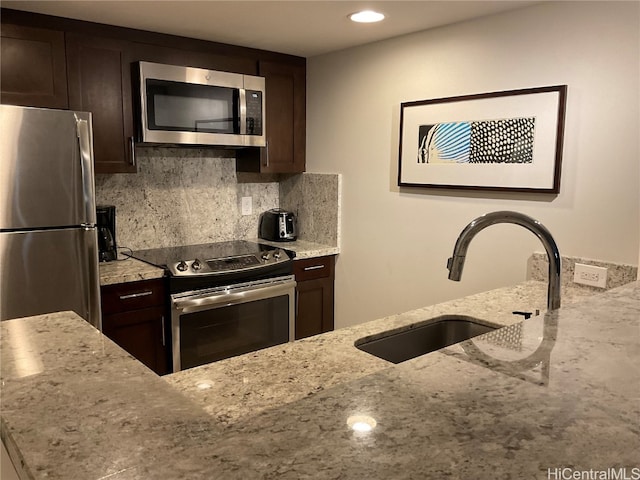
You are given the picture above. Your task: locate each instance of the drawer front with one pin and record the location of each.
(312, 268)
(132, 296)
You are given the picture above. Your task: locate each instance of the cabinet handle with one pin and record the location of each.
(132, 146)
(313, 267)
(266, 157)
(136, 295)
(163, 339)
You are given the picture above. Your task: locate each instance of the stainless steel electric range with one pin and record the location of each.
(226, 298)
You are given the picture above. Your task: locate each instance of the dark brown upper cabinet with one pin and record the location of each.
(102, 79)
(189, 58)
(33, 67)
(64, 63)
(286, 122)
(99, 76)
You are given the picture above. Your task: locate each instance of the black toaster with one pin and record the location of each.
(278, 225)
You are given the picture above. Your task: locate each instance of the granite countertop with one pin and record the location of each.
(127, 269)
(557, 391)
(239, 387)
(304, 248)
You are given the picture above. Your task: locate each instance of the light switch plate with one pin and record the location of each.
(590, 275)
(247, 206)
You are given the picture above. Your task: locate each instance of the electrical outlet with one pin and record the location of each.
(590, 275)
(247, 207)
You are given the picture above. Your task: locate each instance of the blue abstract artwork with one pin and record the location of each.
(487, 141)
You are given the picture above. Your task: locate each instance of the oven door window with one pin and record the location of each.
(211, 335)
(187, 107)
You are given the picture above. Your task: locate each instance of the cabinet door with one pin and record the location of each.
(314, 296)
(141, 333)
(314, 307)
(285, 122)
(33, 67)
(133, 316)
(99, 76)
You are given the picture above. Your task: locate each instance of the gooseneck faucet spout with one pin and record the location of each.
(456, 262)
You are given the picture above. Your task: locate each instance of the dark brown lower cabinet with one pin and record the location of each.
(314, 295)
(134, 317)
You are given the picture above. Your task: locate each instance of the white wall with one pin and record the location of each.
(395, 243)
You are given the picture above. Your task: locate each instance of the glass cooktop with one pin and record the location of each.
(216, 252)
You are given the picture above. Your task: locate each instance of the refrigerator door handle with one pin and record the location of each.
(86, 162)
(92, 281)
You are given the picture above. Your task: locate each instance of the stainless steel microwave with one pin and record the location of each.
(194, 106)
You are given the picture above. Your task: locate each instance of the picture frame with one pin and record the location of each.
(499, 141)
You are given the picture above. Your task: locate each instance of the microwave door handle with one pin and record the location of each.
(242, 111)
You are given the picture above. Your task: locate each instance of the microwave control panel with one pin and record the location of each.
(254, 112)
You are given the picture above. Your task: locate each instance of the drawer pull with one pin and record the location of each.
(136, 295)
(163, 339)
(313, 267)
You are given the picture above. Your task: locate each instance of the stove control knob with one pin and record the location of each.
(276, 254)
(265, 256)
(182, 266)
(196, 265)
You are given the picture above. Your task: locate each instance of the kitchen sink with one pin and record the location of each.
(403, 344)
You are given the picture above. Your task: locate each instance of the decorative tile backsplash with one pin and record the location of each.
(617, 274)
(183, 196)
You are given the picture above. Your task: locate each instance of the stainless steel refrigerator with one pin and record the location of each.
(48, 239)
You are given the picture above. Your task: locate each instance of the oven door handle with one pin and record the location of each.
(196, 303)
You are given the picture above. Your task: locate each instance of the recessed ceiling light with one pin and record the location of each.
(366, 16)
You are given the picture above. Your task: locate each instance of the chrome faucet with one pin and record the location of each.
(456, 262)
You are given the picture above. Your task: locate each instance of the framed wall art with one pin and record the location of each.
(502, 141)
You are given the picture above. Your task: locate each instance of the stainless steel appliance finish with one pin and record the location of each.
(207, 265)
(194, 106)
(48, 240)
(456, 261)
(233, 320)
(229, 264)
(226, 299)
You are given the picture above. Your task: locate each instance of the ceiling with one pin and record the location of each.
(297, 27)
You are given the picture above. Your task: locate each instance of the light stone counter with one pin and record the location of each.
(237, 387)
(558, 390)
(127, 269)
(77, 406)
(303, 248)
